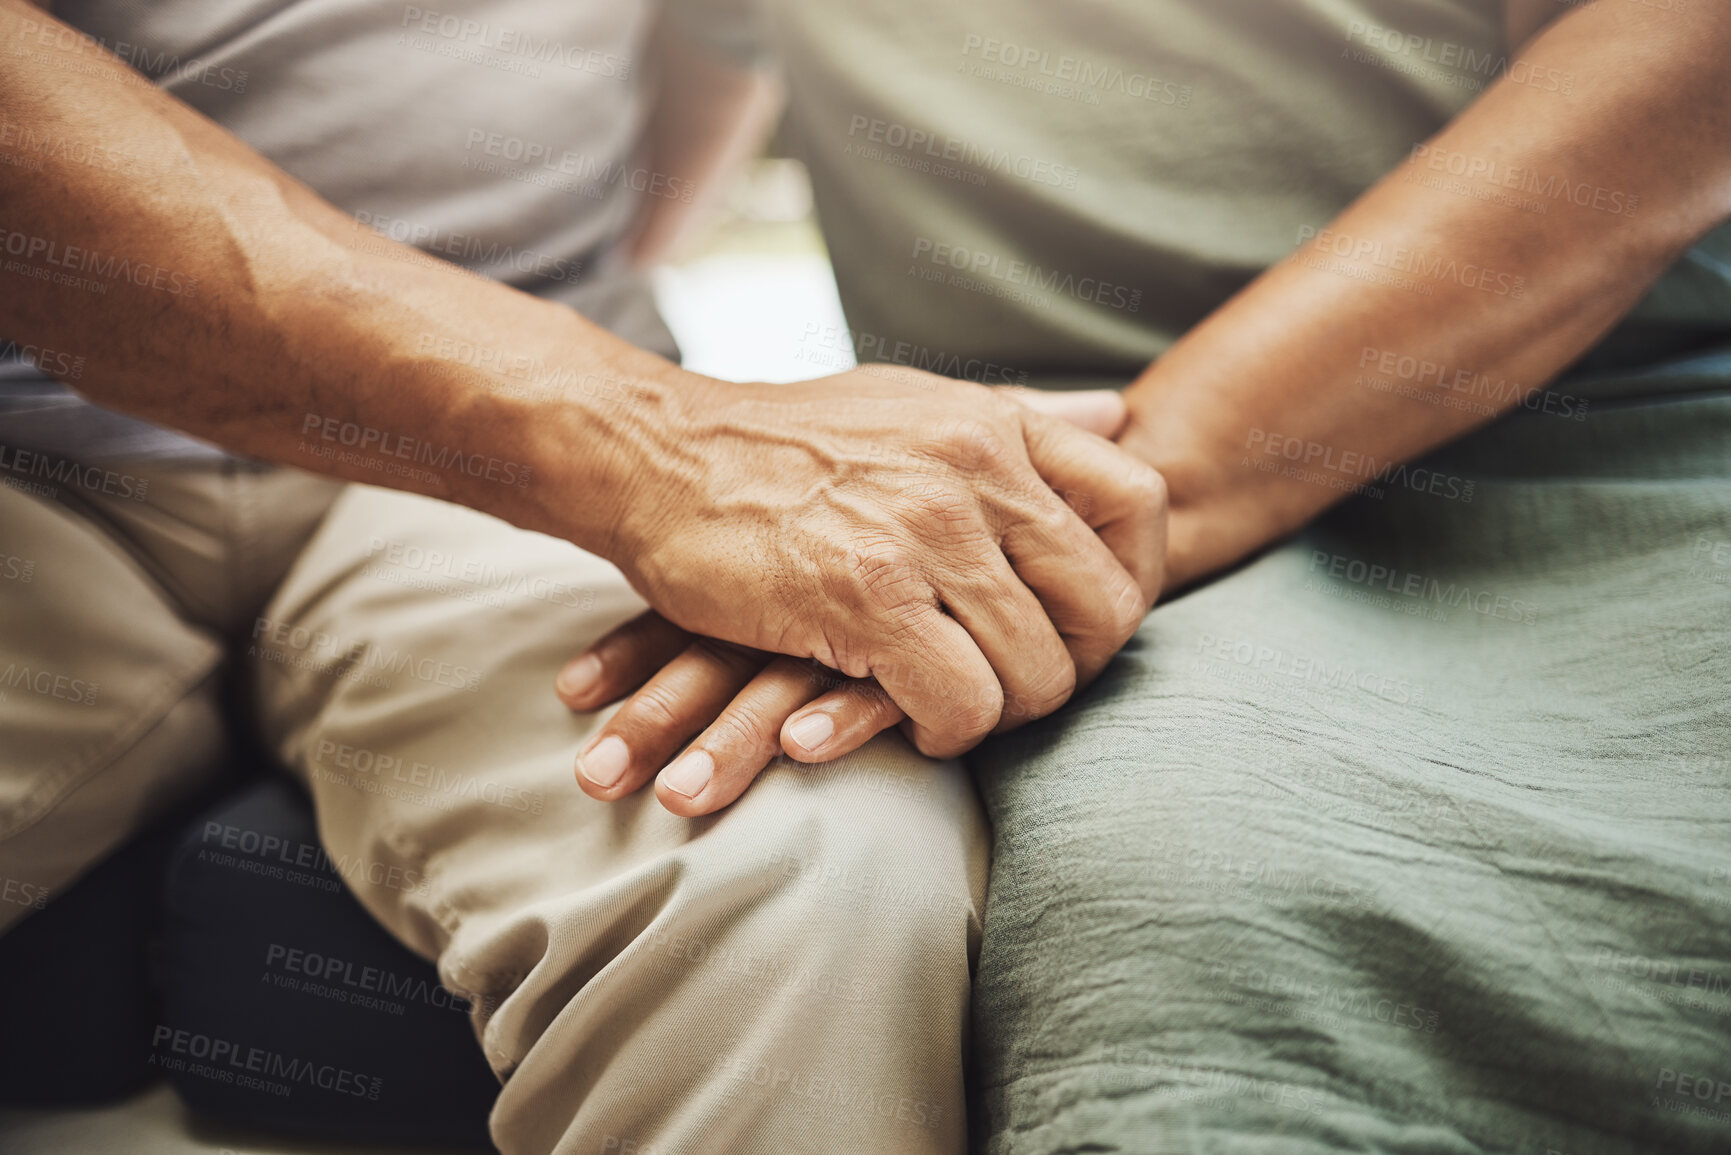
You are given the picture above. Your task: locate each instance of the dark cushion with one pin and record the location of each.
(285, 1006)
(81, 1010)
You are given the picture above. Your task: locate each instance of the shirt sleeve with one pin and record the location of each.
(736, 29)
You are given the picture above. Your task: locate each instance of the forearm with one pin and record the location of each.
(208, 291)
(1449, 283)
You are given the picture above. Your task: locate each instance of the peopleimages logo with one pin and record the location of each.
(83, 260)
(49, 684)
(1415, 262)
(1073, 70)
(857, 347)
(469, 249)
(515, 42)
(1436, 381)
(905, 138)
(23, 893)
(330, 969)
(366, 439)
(28, 143)
(61, 366)
(1356, 465)
(226, 1059)
(978, 263)
(373, 767)
(591, 172)
(1459, 65)
(316, 648)
(56, 471)
(1404, 583)
(1531, 182)
(165, 68)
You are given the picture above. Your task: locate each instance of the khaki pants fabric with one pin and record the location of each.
(121, 586)
(790, 975)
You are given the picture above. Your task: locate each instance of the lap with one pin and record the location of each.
(794, 966)
(120, 583)
(1409, 836)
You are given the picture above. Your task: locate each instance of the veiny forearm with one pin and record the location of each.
(206, 290)
(1462, 284)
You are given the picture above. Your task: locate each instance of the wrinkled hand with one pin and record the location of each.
(745, 706)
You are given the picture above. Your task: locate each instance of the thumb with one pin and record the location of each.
(1098, 411)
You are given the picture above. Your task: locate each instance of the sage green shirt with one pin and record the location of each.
(1016, 187)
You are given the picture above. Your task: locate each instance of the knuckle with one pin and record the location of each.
(972, 444)
(905, 652)
(883, 573)
(1052, 519)
(974, 716)
(846, 654)
(1080, 502)
(937, 509)
(1148, 487)
(1130, 607)
(870, 701)
(652, 708)
(740, 731)
(946, 739)
(929, 744)
(937, 746)
(1050, 690)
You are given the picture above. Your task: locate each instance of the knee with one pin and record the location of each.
(886, 841)
(821, 930)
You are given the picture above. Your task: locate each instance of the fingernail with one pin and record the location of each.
(811, 731)
(690, 773)
(606, 762)
(579, 677)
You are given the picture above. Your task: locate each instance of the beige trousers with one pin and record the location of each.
(788, 976)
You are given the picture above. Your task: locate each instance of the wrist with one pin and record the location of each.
(610, 442)
(513, 406)
(1219, 510)
(597, 440)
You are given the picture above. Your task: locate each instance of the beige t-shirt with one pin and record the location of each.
(501, 135)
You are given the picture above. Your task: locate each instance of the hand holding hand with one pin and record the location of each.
(745, 706)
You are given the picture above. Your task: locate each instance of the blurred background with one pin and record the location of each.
(750, 294)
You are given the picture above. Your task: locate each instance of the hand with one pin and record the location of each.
(743, 705)
(900, 526)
